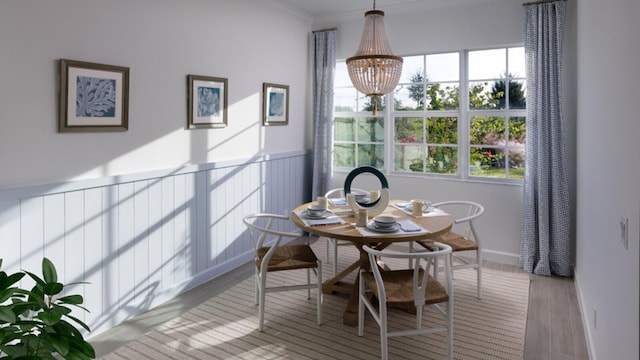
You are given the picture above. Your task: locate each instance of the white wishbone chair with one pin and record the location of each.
(271, 255)
(407, 287)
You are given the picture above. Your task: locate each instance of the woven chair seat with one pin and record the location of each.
(289, 257)
(456, 241)
(398, 285)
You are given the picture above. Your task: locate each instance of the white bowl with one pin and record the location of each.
(315, 209)
(384, 221)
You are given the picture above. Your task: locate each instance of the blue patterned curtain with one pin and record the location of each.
(324, 67)
(546, 247)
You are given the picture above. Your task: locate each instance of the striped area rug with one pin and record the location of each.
(224, 327)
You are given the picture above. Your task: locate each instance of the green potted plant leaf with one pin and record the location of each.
(37, 323)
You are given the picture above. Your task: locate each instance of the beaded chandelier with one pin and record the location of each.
(374, 70)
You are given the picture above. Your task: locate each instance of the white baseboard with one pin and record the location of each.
(501, 257)
(585, 320)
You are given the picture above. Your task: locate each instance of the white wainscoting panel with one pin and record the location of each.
(135, 241)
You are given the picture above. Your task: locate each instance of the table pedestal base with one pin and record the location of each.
(337, 284)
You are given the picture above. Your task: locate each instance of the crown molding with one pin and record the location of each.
(287, 9)
(406, 7)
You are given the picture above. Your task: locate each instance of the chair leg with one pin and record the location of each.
(451, 262)
(384, 339)
(450, 329)
(479, 269)
(257, 288)
(360, 307)
(328, 244)
(335, 256)
(263, 286)
(308, 284)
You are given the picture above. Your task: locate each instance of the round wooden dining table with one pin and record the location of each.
(434, 224)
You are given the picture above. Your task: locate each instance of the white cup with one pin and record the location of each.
(361, 217)
(418, 207)
(322, 202)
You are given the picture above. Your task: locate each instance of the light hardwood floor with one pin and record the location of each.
(554, 325)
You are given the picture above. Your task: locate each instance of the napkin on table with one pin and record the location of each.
(409, 226)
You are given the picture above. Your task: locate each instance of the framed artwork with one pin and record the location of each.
(93, 97)
(275, 104)
(206, 102)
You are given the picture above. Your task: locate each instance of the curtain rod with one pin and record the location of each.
(323, 30)
(541, 2)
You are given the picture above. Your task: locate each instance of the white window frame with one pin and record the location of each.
(463, 113)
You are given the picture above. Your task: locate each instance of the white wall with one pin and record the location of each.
(441, 29)
(161, 41)
(608, 170)
(146, 214)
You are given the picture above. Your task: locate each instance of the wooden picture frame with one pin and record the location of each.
(93, 97)
(206, 102)
(275, 104)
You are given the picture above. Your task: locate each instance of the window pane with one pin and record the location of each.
(487, 64)
(409, 97)
(442, 96)
(442, 160)
(408, 158)
(486, 162)
(409, 130)
(482, 96)
(344, 99)
(371, 155)
(442, 130)
(341, 75)
(344, 155)
(517, 131)
(516, 62)
(366, 103)
(443, 67)
(371, 129)
(343, 129)
(487, 130)
(410, 66)
(517, 94)
(516, 164)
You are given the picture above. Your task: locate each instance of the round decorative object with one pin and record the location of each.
(365, 169)
(373, 208)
